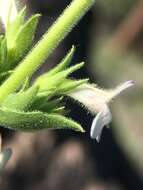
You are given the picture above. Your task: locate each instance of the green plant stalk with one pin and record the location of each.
(57, 32)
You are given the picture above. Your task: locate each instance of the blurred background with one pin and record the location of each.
(110, 40)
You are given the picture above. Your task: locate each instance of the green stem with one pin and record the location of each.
(46, 45)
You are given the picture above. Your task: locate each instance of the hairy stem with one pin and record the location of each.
(46, 45)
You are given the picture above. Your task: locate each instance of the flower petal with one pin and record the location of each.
(103, 118)
(91, 97)
(4, 157)
(122, 87)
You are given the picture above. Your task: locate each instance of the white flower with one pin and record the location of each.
(4, 156)
(8, 11)
(96, 100)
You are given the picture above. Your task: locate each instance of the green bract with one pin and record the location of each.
(37, 107)
(19, 36)
(33, 121)
(29, 107)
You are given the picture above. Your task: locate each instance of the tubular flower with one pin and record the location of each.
(97, 101)
(8, 11)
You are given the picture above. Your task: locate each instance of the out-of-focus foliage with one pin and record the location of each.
(116, 8)
(115, 59)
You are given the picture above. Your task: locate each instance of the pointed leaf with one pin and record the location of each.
(21, 100)
(69, 85)
(25, 36)
(68, 71)
(61, 66)
(49, 106)
(3, 53)
(14, 27)
(25, 85)
(48, 83)
(64, 63)
(60, 110)
(4, 75)
(33, 121)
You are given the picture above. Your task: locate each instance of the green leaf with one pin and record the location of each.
(22, 41)
(33, 121)
(37, 102)
(50, 105)
(11, 34)
(69, 85)
(41, 99)
(5, 75)
(3, 52)
(25, 36)
(25, 85)
(1, 49)
(61, 66)
(60, 110)
(13, 28)
(20, 101)
(1, 38)
(54, 81)
(64, 63)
